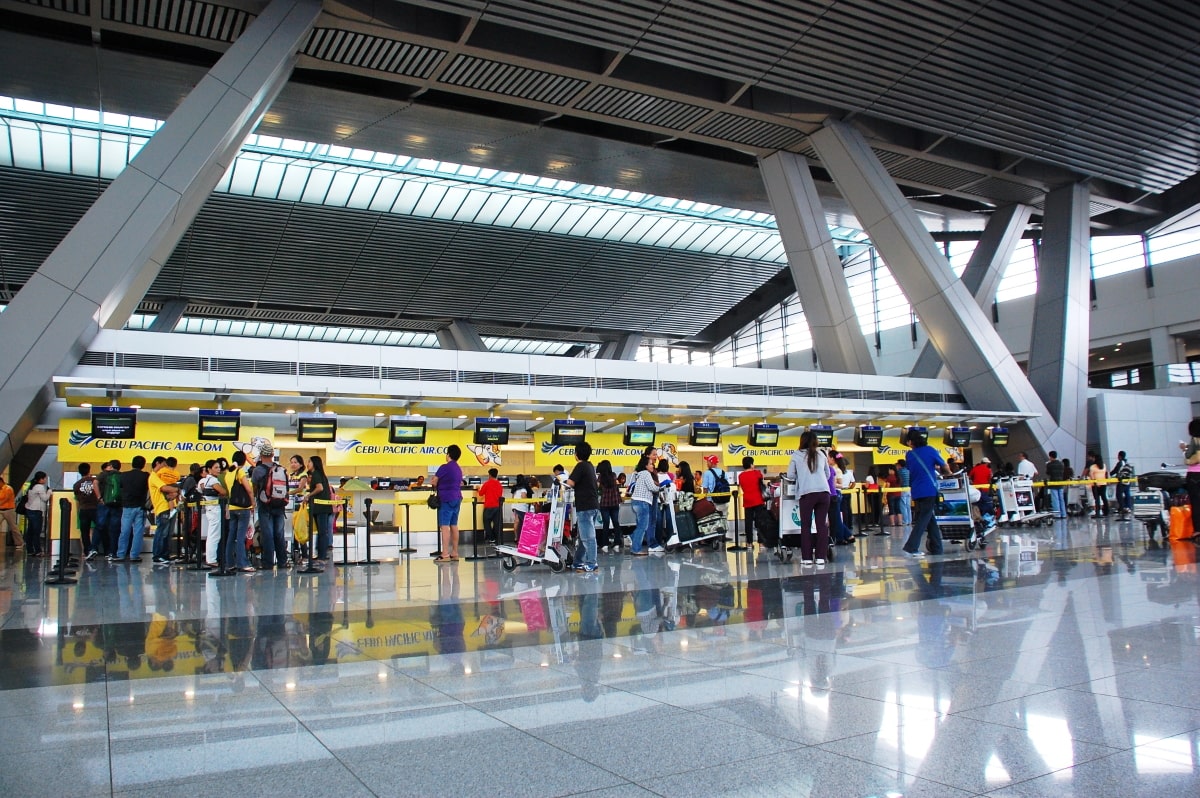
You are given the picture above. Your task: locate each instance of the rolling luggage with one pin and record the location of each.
(766, 525)
(686, 527)
(1169, 481)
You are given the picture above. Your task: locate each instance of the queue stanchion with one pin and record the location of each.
(475, 533)
(223, 567)
(737, 526)
(367, 502)
(61, 573)
(408, 547)
(345, 563)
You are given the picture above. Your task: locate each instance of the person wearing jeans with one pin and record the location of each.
(135, 490)
(925, 464)
(270, 519)
(643, 492)
(587, 504)
(35, 513)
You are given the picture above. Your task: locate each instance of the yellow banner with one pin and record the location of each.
(605, 446)
(76, 444)
(891, 452)
(370, 447)
(732, 453)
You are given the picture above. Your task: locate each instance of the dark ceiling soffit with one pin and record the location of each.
(758, 302)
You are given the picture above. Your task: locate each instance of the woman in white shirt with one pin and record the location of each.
(809, 469)
(35, 513)
(212, 490)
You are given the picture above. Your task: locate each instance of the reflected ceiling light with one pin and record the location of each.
(290, 411)
(462, 415)
(1101, 358)
(791, 423)
(379, 415)
(85, 404)
(415, 139)
(610, 420)
(342, 131)
(193, 408)
(540, 418)
(139, 407)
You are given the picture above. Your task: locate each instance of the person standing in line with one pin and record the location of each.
(8, 513)
(108, 519)
(905, 477)
(808, 468)
(212, 491)
(1191, 458)
(272, 512)
(319, 494)
(448, 484)
(161, 496)
(643, 491)
(750, 483)
(38, 500)
(1097, 473)
(610, 507)
(587, 505)
(892, 482)
(491, 491)
(297, 487)
(1056, 472)
(1025, 467)
(926, 464)
(241, 504)
(135, 490)
(1123, 471)
(520, 492)
(981, 477)
(87, 500)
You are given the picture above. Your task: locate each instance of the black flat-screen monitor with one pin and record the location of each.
(640, 433)
(568, 431)
(218, 425)
(764, 435)
(997, 435)
(824, 434)
(316, 428)
(705, 433)
(958, 437)
(915, 436)
(491, 431)
(404, 430)
(869, 436)
(114, 422)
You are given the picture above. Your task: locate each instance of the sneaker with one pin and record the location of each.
(604, 549)
(587, 569)
(111, 558)
(657, 550)
(91, 555)
(806, 562)
(820, 562)
(914, 554)
(160, 560)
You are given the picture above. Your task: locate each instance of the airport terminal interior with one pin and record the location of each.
(366, 234)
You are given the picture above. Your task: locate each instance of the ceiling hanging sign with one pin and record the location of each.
(76, 444)
(371, 447)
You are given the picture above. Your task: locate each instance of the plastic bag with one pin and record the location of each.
(300, 521)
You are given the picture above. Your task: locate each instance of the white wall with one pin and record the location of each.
(1147, 427)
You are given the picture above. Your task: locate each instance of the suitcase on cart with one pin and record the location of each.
(686, 527)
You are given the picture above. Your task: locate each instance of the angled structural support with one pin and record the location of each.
(1058, 349)
(999, 241)
(101, 270)
(624, 348)
(169, 315)
(984, 369)
(465, 337)
(816, 268)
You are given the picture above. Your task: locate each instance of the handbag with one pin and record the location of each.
(433, 501)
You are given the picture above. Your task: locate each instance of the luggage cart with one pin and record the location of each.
(1016, 503)
(790, 524)
(953, 512)
(541, 536)
(1150, 507)
(692, 532)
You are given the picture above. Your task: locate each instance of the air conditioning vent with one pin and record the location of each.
(492, 378)
(344, 370)
(282, 367)
(561, 381)
(97, 359)
(889, 396)
(839, 393)
(956, 398)
(185, 363)
(913, 396)
(801, 392)
(439, 375)
(742, 390)
(618, 384)
(399, 373)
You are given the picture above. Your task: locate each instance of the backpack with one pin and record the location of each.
(1124, 470)
(22, 503)
(110, 490)
(274, 493)
(720, 485)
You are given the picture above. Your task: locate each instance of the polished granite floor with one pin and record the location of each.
(1062, 663)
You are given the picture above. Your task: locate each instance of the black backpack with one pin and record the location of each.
(22, 503)
(1124, 470)
(720, 485)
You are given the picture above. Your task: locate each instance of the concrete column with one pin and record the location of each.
(816, 268)
(445, 338)
(1164, 349)
(1058, 348)
(961, 333)
(102, 269)
(999, 241)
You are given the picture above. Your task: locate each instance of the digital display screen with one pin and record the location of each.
(764, 435)
(218, 425)
(705, 433)
(824, 434)
(568, 432)
(998, 435)
(957, 437)
(868, 436)
(316, 429)
(640, 434)
(114, 422)
(491, 431)
(402, 430)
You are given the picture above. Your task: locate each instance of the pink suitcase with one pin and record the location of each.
(533, 534)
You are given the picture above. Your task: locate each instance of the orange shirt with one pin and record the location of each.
(8, 499)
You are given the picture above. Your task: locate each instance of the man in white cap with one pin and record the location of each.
(269, 480)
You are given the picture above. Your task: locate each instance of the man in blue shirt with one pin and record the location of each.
(925, 465)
